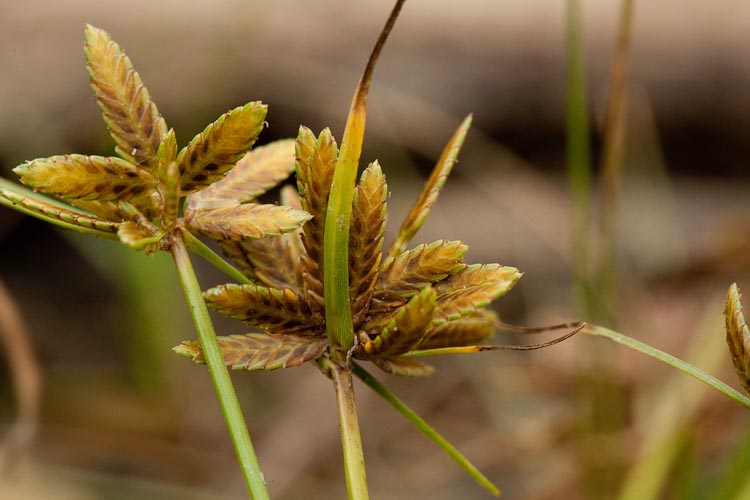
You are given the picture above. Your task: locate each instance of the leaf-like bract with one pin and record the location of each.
(258, 171)
(404, 367)
(133, 120)
(276, 310)
(260, 351)
(738, 336)
(315, 162)
(86, 177)
(214, 152)
(407, 328)
(246, 221)
(412, 270)
(366, 238)
(468, 330)
(430, 192)
(471, 288)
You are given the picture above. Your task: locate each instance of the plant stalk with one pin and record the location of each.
(230, 406)
(354, 459)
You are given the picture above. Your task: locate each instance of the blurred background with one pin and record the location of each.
(122, 417)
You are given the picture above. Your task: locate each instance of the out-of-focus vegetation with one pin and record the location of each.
(119, 420)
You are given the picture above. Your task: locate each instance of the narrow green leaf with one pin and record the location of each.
(670, 360)
(338, 217)
(427, 198)
(424, 428)
(214, 152)
(86, 177)
(134, 122)
(259, 351)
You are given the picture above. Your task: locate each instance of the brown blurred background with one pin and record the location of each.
(123, 417)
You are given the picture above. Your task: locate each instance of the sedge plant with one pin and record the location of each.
(327, 292)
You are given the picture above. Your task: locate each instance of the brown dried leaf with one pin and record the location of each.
(246, 221)
(86, 177)
(260, 351)
(257, 172)
(132, 118)
(430, 192)
(412, 270)
(404, 367)
(366, 238)
(469, 330)
(472, 288)
(214, 152)
(738, 336)
(407, 328)
(315, 163)
(277, 310)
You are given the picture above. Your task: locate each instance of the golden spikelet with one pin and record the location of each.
(133, 120)
(366, 238)
(86, 177)
(738, 336)
(276, 310)
(260, 351)
(468, 330)
(404, 367)
(246, 221)
(213, 152)
(257, 172)
(406, 329)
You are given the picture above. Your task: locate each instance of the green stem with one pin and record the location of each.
(425, 428)
(202, 250)
(670, 360)
(230, 406)
(354, 459)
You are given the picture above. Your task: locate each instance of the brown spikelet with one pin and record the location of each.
(135, 236)
(86, 177)
(132, 118)
(366, 238)
(276, 310)
(246, 221)
(472, 329)
(738, 336)
(273, 262)
(213, 152)
(315, 163)
(406, 329)
(471, 288)
(430, 192)
(257, 172)
(412, 270)
(404, 367)
(58, 212)
(149, 206)
(260, 351)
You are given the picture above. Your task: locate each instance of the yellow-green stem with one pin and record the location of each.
(230, 406)
(354, 459)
